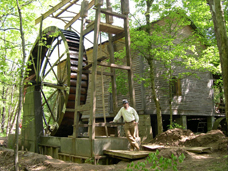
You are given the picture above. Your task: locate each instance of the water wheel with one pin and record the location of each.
(53, 63)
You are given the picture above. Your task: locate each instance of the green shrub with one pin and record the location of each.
(158, 164)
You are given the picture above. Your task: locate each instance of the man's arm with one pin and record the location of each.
(117, 117)
(136, 115)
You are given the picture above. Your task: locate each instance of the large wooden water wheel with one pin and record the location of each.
(53, 68)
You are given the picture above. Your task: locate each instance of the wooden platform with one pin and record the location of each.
(104, 27)
(190, 149)
(127, 154)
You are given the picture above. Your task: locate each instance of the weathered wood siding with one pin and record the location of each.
(197, 93)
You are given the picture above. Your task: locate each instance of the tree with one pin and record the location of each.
(222, 43)
(21, 87)
(150, 60)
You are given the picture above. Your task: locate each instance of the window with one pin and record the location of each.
(176, 87)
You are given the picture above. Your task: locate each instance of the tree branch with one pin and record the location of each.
(10, 29)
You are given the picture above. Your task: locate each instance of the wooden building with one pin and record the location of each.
(192, 105)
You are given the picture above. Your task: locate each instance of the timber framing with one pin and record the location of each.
(83, 65)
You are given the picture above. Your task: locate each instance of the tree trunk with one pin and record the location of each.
(3, 109)
(155, 98)
(152, 74)
(170, 102)
(13, 117)
(21, 88)
(222, 43)
(10, 110)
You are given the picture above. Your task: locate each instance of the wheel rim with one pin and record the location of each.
(57, 77)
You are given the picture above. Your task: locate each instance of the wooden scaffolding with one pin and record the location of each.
(97, 26)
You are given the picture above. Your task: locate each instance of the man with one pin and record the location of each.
(131, 119)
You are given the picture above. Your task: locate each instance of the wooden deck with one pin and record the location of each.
(127, 154)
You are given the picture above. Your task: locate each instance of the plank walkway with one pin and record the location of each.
(127, 154)
(190, 149)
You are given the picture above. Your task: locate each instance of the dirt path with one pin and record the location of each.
(174, 141)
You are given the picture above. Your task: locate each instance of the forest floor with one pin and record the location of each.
(172, 142)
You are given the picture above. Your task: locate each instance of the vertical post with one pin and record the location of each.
(98, 4)
(111, 53)
(125, 10)
(103, 102)
(84, 14)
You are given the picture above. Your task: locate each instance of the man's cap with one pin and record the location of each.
(125, 101)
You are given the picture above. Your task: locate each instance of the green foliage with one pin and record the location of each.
(175, 125)
(89, 160)
(156, 163)
(2, 134)
(11, 51)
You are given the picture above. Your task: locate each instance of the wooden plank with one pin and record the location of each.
(129, 62)
(118, 36)
(98, 72)
(88, 30)
(113, 78)
(198, 149)
(70, 155)
(78, 15)
(105, 11)
(68, 6)
(80, 108)
(94, 78)
(103, 101)
(103, 124)
(127, 154)
(99, 60)
(52, 10)
(45, 145)
(79, 78)
(104, 27)
(153, 147)
(114, 65)
(108, 28)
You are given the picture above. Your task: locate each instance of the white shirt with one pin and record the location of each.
(128, 114)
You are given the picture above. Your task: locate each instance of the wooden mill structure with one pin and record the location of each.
(65, 98)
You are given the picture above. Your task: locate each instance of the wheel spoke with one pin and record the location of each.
(34, 67)
(49, 97)
(63, 74)
(52, 47)
(53, 85)
(47, 104)
(55, 118)
(53, 65)
(53, 70)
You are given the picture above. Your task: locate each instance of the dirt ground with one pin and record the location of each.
(173, 140)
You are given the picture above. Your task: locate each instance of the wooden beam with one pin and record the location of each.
(80, 108)
(94, 78)
(129, 62)
(54, 86)
(127, 154)
(99, 60)
(103, 124)
(78, 15)
(52, 10)
(118, 36)
(103, 101)
(88, 30)
(68, 6)
(105, 11)
(111, 65)
(79, 78)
